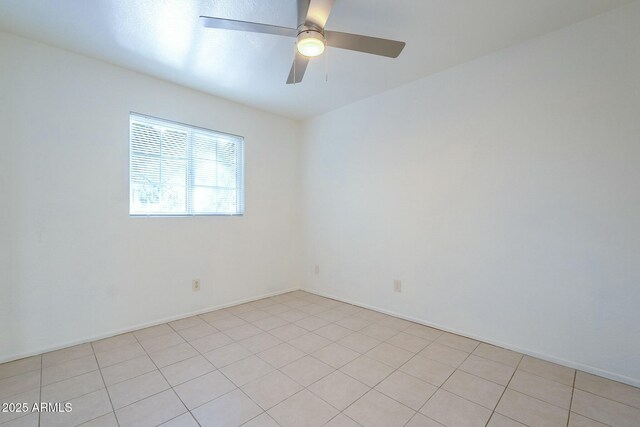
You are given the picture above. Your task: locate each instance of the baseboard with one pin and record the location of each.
(575, 365)
(142, 326)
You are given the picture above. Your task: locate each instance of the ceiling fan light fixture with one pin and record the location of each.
(310, 43)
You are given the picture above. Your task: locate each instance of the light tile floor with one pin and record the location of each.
(297, 360)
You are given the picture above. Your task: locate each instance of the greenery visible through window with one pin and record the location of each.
(176, 169)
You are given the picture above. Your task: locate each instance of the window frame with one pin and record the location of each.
(189, 175)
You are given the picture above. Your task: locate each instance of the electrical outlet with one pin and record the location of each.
(195, 285)
(397, 286)
(317, 269)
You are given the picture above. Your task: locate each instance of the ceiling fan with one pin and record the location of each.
(311, 36)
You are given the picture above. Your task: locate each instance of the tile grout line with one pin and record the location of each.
(113, 409)
(505, 390)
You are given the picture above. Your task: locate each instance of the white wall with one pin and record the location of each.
(73, 264)
(504, 193)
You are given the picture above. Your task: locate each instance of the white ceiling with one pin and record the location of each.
(163, 38)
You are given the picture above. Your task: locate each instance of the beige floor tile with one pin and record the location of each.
(607, 388)
(198, 331)
(227, 355)
(228, 322)
(353, 323)
(311, 323)
(359, 342)
(390, 355)
(309, 342)
(395, 323)
(262, 420)
(420, 420)
(20, 366)
(292, 315)
(66, 354)
(406, 389)
(288, 332)
(107, 420)
(24, 382)
(281, 355)
(604, 410)
(62, 371)
(71, 388)
(188, 322)
(341, 420)
(335, 355)
(451, 410)
(276, 309)
(260, 342)
(379, 332)
(476, 389)
(30, 397)
(428, 370)
(120, 354)
(576, 420)
(488, 369)
(202, 389)
(333, 315)
(457, 342)
(530, 411)
(152, 332)
(338, 389)
(126, 370)
(313, 309)
(232, 409)
(246, 370)
(186, 370)
(271, 389)
(151, 411)
(173, 354)
(85, 408)
(212, 316)
(444, 354)
(542, 388)
(425, 332)
(211, 342)
(269, 323)
(498, 420)
(375, 409)
(307, 370)
(240, 308)
(242, 332)
(367, 370)
(30, 420)
(408, 342)
(548, 370)
(303, 409)
(163, 341)
(138, 388)
(497, 354)
(184, 420)
(253, 315)
(261, 303)
(333, 332)
(113, 342)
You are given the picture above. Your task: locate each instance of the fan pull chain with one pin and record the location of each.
(326, 65)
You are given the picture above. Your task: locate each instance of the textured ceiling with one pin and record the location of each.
(163, 38)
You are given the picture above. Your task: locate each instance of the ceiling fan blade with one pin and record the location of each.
(303, 10)
(253, 27)
(319, 11)
(366, 44)
(298, 68)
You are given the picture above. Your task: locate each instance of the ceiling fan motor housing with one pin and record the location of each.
(310, 42)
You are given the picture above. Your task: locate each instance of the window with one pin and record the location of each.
(177, 169)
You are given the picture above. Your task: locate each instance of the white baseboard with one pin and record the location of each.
(575, 365)
(141, 326)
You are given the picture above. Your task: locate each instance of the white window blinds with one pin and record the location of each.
(177, 169)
